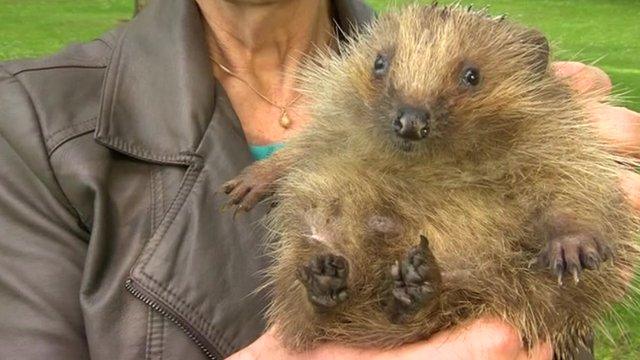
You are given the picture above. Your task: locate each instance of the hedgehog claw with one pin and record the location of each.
(569, 255)
(576, 277)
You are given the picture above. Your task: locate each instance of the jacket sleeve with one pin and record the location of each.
(42, 246)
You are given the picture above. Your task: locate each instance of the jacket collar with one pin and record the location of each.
(158, 95)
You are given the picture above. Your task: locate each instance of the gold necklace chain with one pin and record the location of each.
(284, 120)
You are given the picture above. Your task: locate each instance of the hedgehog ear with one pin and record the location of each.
(541, 55)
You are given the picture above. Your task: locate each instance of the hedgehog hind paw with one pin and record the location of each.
(325, 279)
(416, 282)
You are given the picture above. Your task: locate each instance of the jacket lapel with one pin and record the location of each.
(159, 90)
(201, 266)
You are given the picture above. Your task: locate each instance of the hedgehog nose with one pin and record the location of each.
(412, 123)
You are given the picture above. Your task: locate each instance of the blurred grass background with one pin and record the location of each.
(605, 32)
(587, 30)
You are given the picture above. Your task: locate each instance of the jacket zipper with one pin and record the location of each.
(143, 296)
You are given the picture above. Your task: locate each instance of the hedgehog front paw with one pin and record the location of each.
(251, 186)
(325, 277)
(568, 255)
(416, 281)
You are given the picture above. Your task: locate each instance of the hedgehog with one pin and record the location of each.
(446, 175)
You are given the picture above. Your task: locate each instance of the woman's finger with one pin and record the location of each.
(583, 78)
(619, 126)
(630, 183)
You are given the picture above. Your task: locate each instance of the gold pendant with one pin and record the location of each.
(285, 122)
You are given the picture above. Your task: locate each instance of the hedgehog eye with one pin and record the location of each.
(381, 65)
(470, 76)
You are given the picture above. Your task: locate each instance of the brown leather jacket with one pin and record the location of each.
(112, 243)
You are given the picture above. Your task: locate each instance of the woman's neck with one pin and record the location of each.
(261, 43)
(256, 37)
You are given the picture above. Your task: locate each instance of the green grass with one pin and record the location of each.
(30, 28)
(585, 30)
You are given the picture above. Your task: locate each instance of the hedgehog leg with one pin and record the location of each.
(254, 184)
(325, 278)
(580, 346)
(585, 350)
(416, 281)
(569, 255)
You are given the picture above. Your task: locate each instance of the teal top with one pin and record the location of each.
(260, 152)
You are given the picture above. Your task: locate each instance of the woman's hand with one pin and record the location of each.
(482, 339)
(620, 126)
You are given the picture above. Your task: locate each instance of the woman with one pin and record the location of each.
(113, 245)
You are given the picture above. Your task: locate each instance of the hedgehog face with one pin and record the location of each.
(446, 77)
(412, 118)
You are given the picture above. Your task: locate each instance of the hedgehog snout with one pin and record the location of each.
(411, 123)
